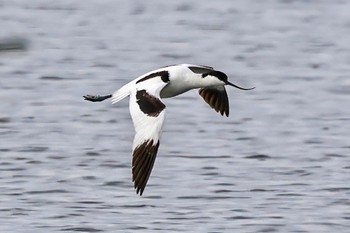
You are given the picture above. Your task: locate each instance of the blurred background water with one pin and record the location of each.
(279, 163)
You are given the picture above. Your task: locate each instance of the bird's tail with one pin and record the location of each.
(122, 92)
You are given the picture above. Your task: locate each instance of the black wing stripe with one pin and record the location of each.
(164, 75)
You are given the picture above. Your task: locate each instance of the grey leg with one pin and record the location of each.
(96, 98)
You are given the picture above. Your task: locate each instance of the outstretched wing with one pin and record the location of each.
(147, 112)
(217, 98)
(200, 69)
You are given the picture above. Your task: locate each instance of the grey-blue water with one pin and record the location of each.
(279, 163)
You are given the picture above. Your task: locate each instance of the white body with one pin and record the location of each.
(148, 112)
(182, 79)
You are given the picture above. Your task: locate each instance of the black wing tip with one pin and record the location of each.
(217, 100)
(223, 112)
(139, 191)
(143, 160)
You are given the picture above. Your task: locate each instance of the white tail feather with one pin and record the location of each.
(122, 92)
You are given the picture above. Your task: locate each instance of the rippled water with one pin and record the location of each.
(279, 163)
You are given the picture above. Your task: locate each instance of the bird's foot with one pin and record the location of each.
(96, 98)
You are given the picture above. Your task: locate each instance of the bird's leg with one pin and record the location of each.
(96, 98)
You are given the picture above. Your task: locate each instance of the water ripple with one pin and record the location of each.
(279, 163)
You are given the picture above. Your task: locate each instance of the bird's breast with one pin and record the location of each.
(180, 83)
(173, 89)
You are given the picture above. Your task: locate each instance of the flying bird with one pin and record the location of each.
(148, 111)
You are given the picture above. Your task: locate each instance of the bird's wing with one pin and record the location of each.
(217, 98)
(197, 69)
(147, 112)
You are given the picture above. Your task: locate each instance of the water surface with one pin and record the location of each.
(279, 163)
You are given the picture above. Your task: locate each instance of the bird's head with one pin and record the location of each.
(220, 78)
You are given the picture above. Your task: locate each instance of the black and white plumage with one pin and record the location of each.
(148, 111)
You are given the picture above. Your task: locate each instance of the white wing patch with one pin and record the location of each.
(147, 112)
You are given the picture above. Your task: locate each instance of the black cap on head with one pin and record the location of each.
(223, 77)
(220, 75)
